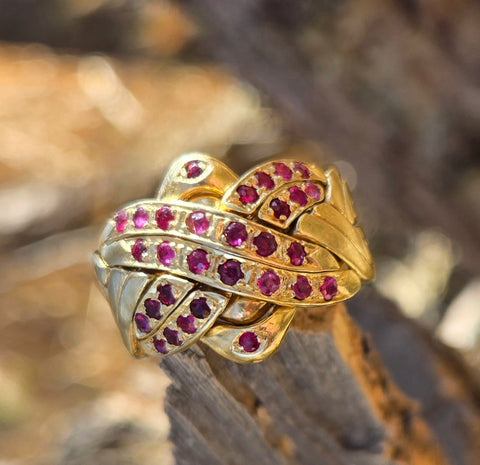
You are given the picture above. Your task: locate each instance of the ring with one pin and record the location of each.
(228, 261)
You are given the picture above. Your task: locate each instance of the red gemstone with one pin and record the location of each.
(235, 234)
(165, 253)
(248, 194)
(280, 208)
(249, 341)
(230, 272)
(164, 217)
(193, 169)
(199, 308)
(171, 335)
(265, 244)
(187, 324)
(152, 308)
(160, 345)
(297, 253)
(142, 323)
(138, 250)
(140, 218)
(329, 288)
(165, 294)
(312, 190)
(198, 261)
(269, 283)
(281, 169)
(302, 169)
(121, 221)
(298, 196)
(264, 180)
(302, 288)
(197, 222)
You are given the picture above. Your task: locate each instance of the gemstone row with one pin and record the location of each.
(213, 265)
(209, 226)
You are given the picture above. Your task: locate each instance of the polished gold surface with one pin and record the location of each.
(162, 306)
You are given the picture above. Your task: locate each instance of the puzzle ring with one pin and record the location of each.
(228, 260)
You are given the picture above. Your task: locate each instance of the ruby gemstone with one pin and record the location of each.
(193, 169)
(142, 323)
(265, 244)
(197, 222)
(329, 288)
(312, 190)
(235, 234)
(160, 345)
(138, 250)
(264, 180)
(199, 308)
(297, 253)
(165, 253)
(302, 288)
(140, 218)
(281, 169)
(198, 261)
(230, 272)
(152, 308)
(164, 217)
(165, 294)
(302, 169)
(298, 196)
(121, 221)
(269, 283)
(171, 335)
(280, 208)
(249, 341)
(248, 194)
(187, 324)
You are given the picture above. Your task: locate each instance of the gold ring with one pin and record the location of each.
(228, 260)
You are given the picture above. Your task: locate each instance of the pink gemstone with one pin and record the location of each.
(235, 234)
(265, 244)
(164, 217)
(269, 283)
(197, 222)
(302, 169)
(230, 272)
(165, 253)
(298, 196)
(302, 288)
(193, 169)
(249, 341)
(160, 345)
(140, 218)
(138, 250)
(199, 308)
(171, 335)
(152, 308)
(121, 221)
(198, 261)
(187, 324)
(142, 323)
(312, 190)
(297, 253)
(329, 288)
(248, 194)
(264, 180)
(280, 208)
(165, 294)
(281, 169)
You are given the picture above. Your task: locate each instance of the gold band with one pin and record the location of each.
(230, 259)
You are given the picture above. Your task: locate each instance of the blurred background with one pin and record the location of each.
(98, 96)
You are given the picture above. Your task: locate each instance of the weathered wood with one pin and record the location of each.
(323, 398)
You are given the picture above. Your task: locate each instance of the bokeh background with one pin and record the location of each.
(98, 96)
